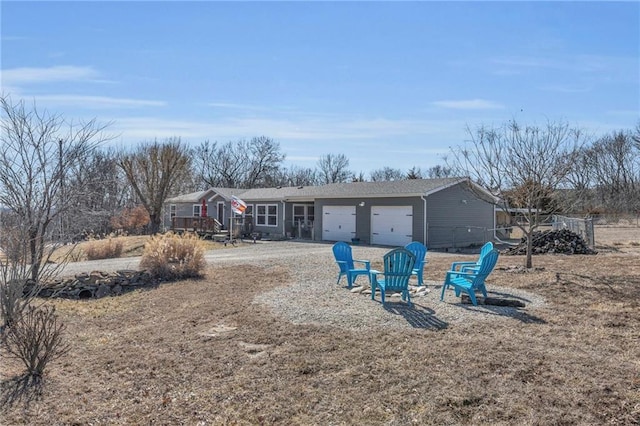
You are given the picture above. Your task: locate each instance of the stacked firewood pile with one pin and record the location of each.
(560, 241)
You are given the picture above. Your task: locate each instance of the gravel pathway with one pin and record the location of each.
(314, 297)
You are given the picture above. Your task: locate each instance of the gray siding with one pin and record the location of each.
(182, 210)
(268, 231)
(363, 214)
(457, 218)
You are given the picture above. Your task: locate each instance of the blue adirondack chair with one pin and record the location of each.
(420, 251)
(471, 281)
(398, 266)
(346, 262)
(473, 266)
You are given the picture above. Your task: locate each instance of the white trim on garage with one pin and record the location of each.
(391, 225)
(338, 223)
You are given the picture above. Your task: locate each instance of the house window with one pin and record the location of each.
(267, 214)
(172, 211)
(196, 210)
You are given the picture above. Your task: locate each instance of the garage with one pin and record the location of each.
(391, 225)
(338, 223)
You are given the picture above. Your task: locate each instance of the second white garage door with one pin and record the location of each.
(391, 225)
(338, 223)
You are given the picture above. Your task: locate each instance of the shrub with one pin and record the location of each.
(104, 249)
(131, 220)
(172, 256)
(36, 339)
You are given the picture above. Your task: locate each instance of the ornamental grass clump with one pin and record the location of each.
(104, 249)
(172, 256)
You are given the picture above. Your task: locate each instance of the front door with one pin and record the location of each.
(221, 213)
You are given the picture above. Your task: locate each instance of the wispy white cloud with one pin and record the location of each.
(229, 105)
(468, 104)
(97, 102)
(305, 129)
(26, 75)
(566, 88)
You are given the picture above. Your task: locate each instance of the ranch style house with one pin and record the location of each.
(440, 213)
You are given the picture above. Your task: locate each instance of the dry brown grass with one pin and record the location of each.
(200, 352)
(131, 246)
(108, 248)
(174, 256)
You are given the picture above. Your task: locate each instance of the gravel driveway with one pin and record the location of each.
(241, 253)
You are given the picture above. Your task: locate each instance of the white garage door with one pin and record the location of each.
(391, 225)
(338, 223)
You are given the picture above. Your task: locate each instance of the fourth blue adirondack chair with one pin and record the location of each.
(472, 279)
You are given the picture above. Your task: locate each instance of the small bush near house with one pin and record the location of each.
(171, 256)
(104, 249)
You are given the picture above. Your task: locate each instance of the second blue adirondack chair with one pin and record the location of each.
(471, 281)
(398, 266)
(346, 263)
(420, 251)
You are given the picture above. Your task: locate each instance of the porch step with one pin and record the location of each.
(221, 236)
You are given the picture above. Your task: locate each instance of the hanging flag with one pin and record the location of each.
(237, 205)
(203, 209)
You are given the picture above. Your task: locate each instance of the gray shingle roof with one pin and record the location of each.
(398, 188)
(193, 197)
(227, 193)
(281, 193)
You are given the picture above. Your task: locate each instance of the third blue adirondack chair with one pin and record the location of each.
(471, 281)
(398, 266)
(420, 251)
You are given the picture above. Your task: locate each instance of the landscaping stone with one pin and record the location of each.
(98, 284)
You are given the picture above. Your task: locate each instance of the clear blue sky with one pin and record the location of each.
(385, 83)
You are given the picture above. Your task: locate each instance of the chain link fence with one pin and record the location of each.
(580, 226)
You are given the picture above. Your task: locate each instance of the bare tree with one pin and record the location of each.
(580, 193)
(359, 177)
(156, 171)
(613, 161)
(204, 158)
(525, 164)
(106, 192)
(334, 168)
(414, 173)
(636, 135)
(38, 153)
(438, 172)
(294, 176)
(387, 174)
(242, 164)
(265, 160)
